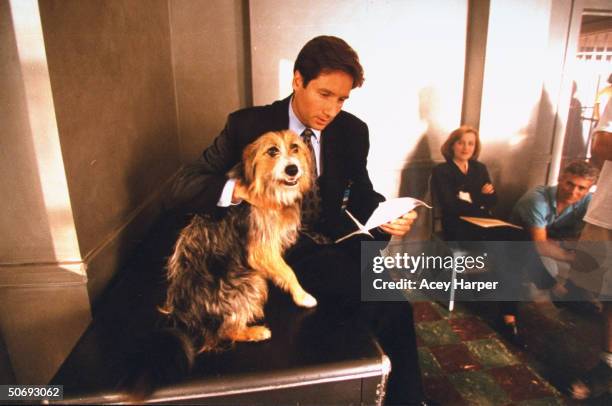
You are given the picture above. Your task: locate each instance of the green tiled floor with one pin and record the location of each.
(491, 353)
(437, 333)
(480, 388)
(466, 362)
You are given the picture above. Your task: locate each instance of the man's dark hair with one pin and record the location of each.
(325, 54)
(582, 169)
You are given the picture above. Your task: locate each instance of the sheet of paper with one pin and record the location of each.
(385, 212)
(392, 209)
(488, 222)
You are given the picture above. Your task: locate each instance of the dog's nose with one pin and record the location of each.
(291, 170)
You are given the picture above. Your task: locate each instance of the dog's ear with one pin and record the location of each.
(249, 156)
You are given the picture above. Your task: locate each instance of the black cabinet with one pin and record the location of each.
(315, 356)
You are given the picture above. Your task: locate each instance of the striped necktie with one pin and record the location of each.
(311, 205)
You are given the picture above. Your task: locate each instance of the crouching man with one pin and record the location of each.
(553, 215)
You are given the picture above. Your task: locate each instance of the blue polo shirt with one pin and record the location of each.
(538, 208)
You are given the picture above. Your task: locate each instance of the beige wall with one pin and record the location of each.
(17, 162)
(210, 49)
(43, 293)
(111, 74)
(413, 54)
(523, 93)
(37, 223)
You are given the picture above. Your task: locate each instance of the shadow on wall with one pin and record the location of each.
(574, 146)
(520, 161)
(517, 162)
(6, 370)
(414, 180)
(419, 162)
(110, 262)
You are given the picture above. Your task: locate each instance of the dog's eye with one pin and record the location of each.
(272, 151)
(294, 147)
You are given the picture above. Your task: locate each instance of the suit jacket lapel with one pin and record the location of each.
(280, 115)
(327, 149)
(330, 181)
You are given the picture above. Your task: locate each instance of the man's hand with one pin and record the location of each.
(488, 189)
(400, 226)
(240, 193)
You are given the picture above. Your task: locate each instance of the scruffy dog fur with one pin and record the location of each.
(218, 271)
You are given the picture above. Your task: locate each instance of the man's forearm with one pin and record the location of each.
(553, 250)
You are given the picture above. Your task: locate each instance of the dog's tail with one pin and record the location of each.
(164, 357)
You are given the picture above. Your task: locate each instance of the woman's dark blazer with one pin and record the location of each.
(446, 182)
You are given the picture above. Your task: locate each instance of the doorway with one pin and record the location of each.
(592, 68)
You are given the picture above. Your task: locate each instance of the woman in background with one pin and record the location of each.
(461, 186)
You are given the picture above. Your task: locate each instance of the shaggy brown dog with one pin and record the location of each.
(218, 271)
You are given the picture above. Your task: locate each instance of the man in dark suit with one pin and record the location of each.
(325, 72)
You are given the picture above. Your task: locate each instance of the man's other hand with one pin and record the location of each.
(400, 226)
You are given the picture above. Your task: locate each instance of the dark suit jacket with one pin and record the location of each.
(344, 151)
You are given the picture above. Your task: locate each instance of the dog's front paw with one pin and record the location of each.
(258, 333)
(305, 299)
(252, 333)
